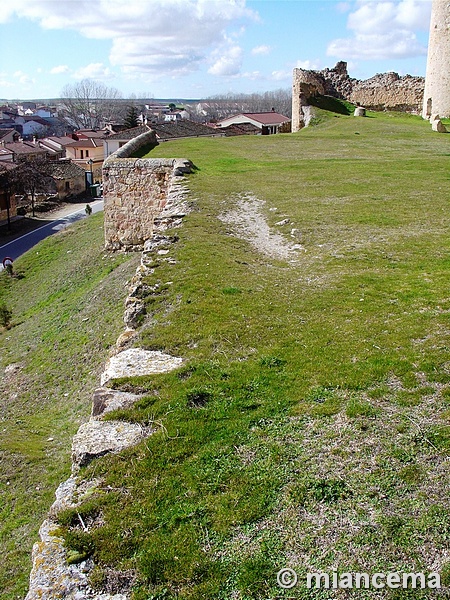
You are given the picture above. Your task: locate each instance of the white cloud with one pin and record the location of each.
(281, 76)
(261, 50)
(286, 75)
(155, 37)
(377, 47)
(5, 82)
(227, 61)
(383, 30)
(23, 78)
(253, 76)
(59, 70)
(310, 65)
(94, 71)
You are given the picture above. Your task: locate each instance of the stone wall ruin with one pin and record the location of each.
(136, 191)
(386, 91)
(156, 194)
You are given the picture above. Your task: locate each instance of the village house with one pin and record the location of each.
(69, 179)
(117, 140)
(56, 144)
(86, 150)
(24, 150)
(8, 113)
(241, 129)
(6, 155)
(32, 126)
(26, 107)
(268, 122)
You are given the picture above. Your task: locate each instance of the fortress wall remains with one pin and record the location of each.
(135, 192)
(306, 83)
(387, 91)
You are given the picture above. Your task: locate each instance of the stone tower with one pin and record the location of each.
(436, 99)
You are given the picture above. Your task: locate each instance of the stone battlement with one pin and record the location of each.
(136, 191)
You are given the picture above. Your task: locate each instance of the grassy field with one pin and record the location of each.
(309, 427)
(67, 308)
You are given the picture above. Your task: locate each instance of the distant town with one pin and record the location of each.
(53, 150)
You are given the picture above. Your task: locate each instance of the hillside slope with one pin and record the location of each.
(307, 293)
(67, 309)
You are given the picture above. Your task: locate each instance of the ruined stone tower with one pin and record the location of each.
(436, 99)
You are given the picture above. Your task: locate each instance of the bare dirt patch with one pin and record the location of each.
(249, 223)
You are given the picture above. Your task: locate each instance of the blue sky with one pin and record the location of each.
(199, 48)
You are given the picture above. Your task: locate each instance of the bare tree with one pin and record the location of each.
(31, 177)
(6, 190)
(89, 104)
(219, 107)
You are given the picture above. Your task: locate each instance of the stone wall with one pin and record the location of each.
(56, 572)
(387, 91)
(135, 192)
(306, 83)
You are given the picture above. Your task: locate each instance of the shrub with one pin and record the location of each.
(5, 315)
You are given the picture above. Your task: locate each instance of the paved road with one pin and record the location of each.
(21, 245)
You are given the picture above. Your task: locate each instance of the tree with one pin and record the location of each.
(219, 107)
(131, 120)
(5, 191)
(31, 177)
(89, 104)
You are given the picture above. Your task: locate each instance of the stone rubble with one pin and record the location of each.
(106, 400)
(135, 362)
(97, 438)
(437, 125)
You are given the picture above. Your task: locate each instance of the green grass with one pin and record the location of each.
(309, 424)
(67, 308)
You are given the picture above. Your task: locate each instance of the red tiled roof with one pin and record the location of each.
(129, 134)
(24, 148)
(183, 128)
(64, 169)
(267, 118)
(36, 119)
(62, 141)
(90, 133)
(85, 143)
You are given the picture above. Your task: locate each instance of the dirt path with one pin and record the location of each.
(249, 223)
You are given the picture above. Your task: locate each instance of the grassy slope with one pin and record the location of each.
(310, 425)
(67, 312)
